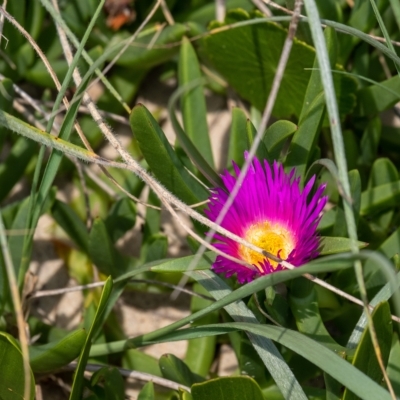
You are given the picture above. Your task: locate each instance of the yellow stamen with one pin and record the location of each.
(272, 238)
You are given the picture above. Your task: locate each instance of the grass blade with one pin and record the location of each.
(77, 385)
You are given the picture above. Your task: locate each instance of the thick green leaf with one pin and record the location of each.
(54, 355)
(312, 113)
(257, 49)
(176, 370)
(333, 245)
(373, 273)
(190, 149)
(110, 377)
(19, 13)
(383, 171)
(228, 388)
(370, 141)
(276, 305)
(12, 370)
(365, 357)
(67, 218)
(121, 218)
(379, 97)
(330, 9)
(276, 136)
(251, 132)
(35, 16)
(352, 149)
(162, 159)
(305, 309)
(102, 251)
(237, 137)
(138, 54)
(393, 368)
(200, 352)
(203, 15)
(139, 361)
(147, 392)
(154, 248)
(77, 385)
(380, 198)
(193, 103)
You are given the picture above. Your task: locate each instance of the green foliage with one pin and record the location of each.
(147, 393)
(227, 388)
(102, 251)
(12, 369)
(113, 383)
(257, 48)
(162, 159)
(54, 355)
(365, 356)
(207, 82)
(66, 217)
(200, 352)
(121, 218)
(193, 104)
(77, 387)
(176, 370)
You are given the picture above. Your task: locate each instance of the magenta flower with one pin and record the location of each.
(271, 212)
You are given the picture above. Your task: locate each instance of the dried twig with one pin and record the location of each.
(2, 20)
(142, 376)
(167, 13)
(59, 292)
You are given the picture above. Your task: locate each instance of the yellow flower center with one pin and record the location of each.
(272, 238)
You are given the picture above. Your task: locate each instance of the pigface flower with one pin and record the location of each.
(271, 212)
